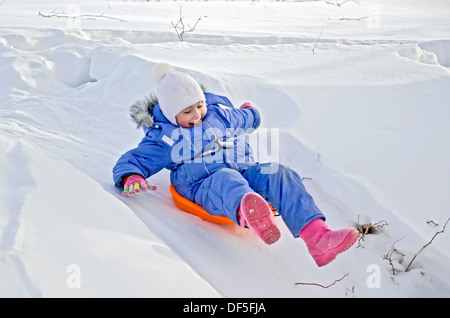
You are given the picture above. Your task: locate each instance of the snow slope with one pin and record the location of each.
(364, 116)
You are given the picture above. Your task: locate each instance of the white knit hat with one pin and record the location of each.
(175, 91)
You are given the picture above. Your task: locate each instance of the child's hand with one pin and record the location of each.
(247, 106)
(134, 184)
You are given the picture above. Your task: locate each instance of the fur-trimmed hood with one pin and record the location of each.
(142, 111)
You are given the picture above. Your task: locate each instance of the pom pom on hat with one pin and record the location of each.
(175, 91)
(160, 71)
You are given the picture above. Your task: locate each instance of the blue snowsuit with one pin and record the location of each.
(213, 165)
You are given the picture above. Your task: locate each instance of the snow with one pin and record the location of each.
(364, 116)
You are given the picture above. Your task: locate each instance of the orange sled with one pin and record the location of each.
(195, 209)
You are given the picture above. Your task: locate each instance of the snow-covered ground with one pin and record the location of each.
(360, 96)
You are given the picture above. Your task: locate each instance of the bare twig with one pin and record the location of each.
(320, 285)
(343, 2)
(388, 256)
(180, 28)
(317, 41)
(434, 236)
(80, 16)
(368, 228)
(357, 19)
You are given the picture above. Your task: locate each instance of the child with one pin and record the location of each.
(203, 144)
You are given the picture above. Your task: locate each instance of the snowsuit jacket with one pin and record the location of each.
(192, 154)
(212, 164)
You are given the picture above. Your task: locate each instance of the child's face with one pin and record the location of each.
(191, 116)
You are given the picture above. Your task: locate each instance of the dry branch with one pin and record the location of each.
(317, 41)
(368, 228)
(80, 16)
(320, 285)
(180, 28)
(434, 236)
(356, 19)
(388, 256)
(341, 3)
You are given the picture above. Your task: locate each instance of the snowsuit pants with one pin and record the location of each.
(222, 191)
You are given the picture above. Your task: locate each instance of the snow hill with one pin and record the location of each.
(359, 93)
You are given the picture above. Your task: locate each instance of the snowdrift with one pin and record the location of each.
(363, 117)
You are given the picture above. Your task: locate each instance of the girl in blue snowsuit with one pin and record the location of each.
(200, 137)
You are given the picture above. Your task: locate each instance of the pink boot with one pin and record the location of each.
(257, 215)
(324, 244)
